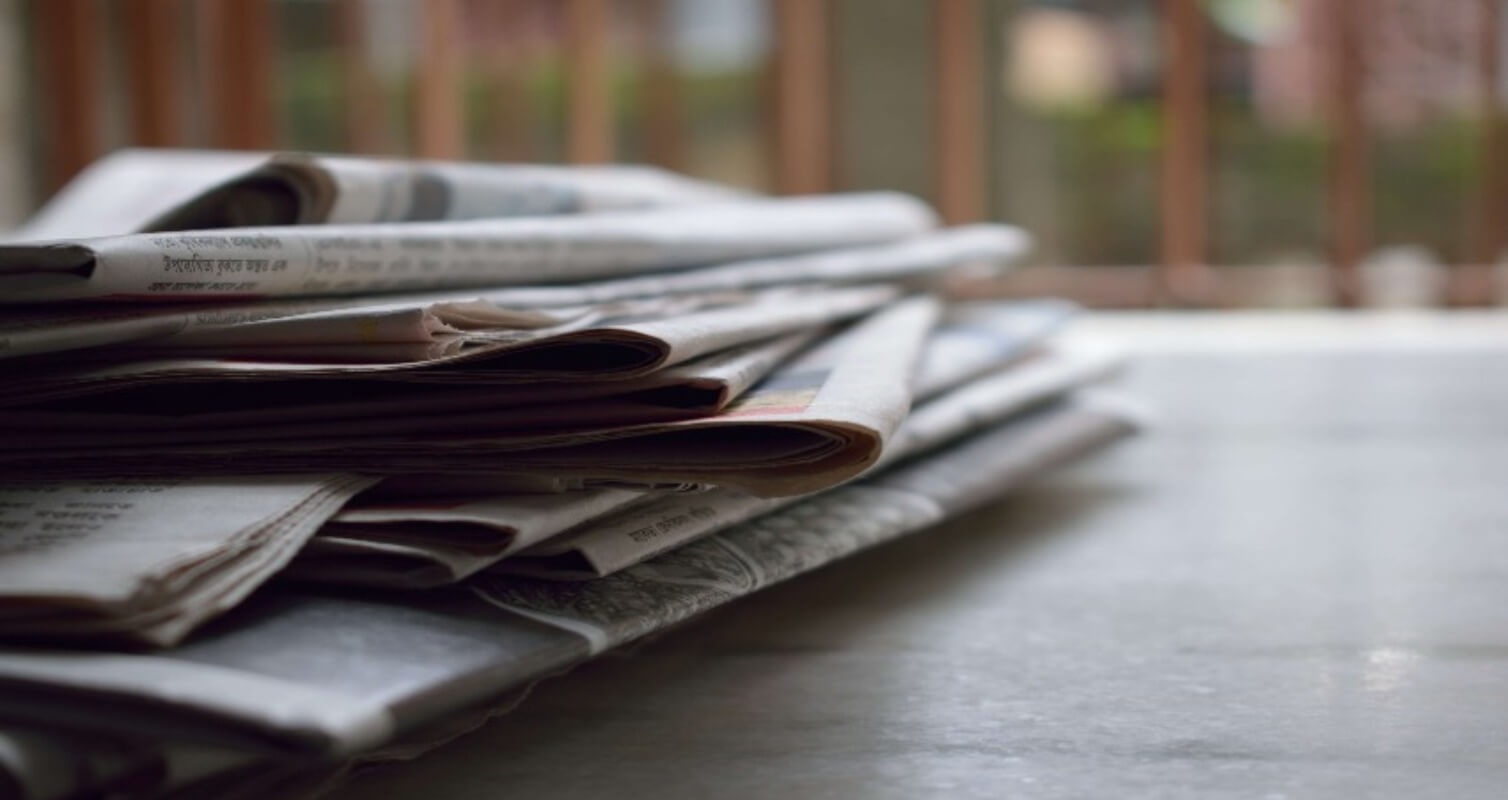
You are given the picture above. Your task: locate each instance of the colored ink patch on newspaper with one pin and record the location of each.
(782, 393)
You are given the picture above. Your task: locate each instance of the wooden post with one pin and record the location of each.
(589, 120)
(510, 115)
(803, 97)
(1492, 189)
(1349, 178)
(958, 91)
(1186, 275)
(366, 120)
(439, 131)
(153, 54)
(238, 39)
(68, 68)
(664, 142)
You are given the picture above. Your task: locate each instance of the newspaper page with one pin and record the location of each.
(921, 259)
(137, 190)
(820, 419)
(925, 258)
(245, 263)
(697, 387)
(1050, 373)
(974, 339)
(389, 538)
(142, 414)
(126, 190)
(303, 671)
(980, 337)
(147, 561)
(308, 189)
(617, 542)
(409, 544)
(702, 385)
(772, 547)
(1059, 445)
(627, 340)
(242, 327)
(303, 189)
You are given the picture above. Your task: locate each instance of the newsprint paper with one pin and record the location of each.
(696, 387)
(332, 674)
(306, 189)
(139, 190)
(147, 561)
(628, 340)
(348, 259)
(428, 318)
(389, 539)
(820, 419)
(659, 524)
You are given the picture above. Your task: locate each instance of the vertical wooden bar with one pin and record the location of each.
(589, 125)
(153, 53)
(365, 128)
(68, 51)
(438, 117)
(504, 62)
(238, 39)
(664, 140)
(803, 97)
(1492, 190)
(1185, 154)
(959, 99)
(1348, 174)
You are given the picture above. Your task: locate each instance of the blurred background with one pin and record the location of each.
(1164, 152)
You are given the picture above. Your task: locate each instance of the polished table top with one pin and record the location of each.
(1294, 585)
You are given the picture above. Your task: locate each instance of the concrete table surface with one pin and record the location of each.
(1295, 585)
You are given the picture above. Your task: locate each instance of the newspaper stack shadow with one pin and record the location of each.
(308, 458)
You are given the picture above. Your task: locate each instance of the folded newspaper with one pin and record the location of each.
(306, 189)
(623, 539)
(331, 674)
(391, 257)
(698, 386)
(426, 320)
(389, 539)
(414, 661)
(421, 542)
(144, 190)
(310, 458)
(627, 340)
(818, 420)
(147, 561)
(241, 328)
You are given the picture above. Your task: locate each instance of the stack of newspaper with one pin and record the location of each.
(313, 459)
